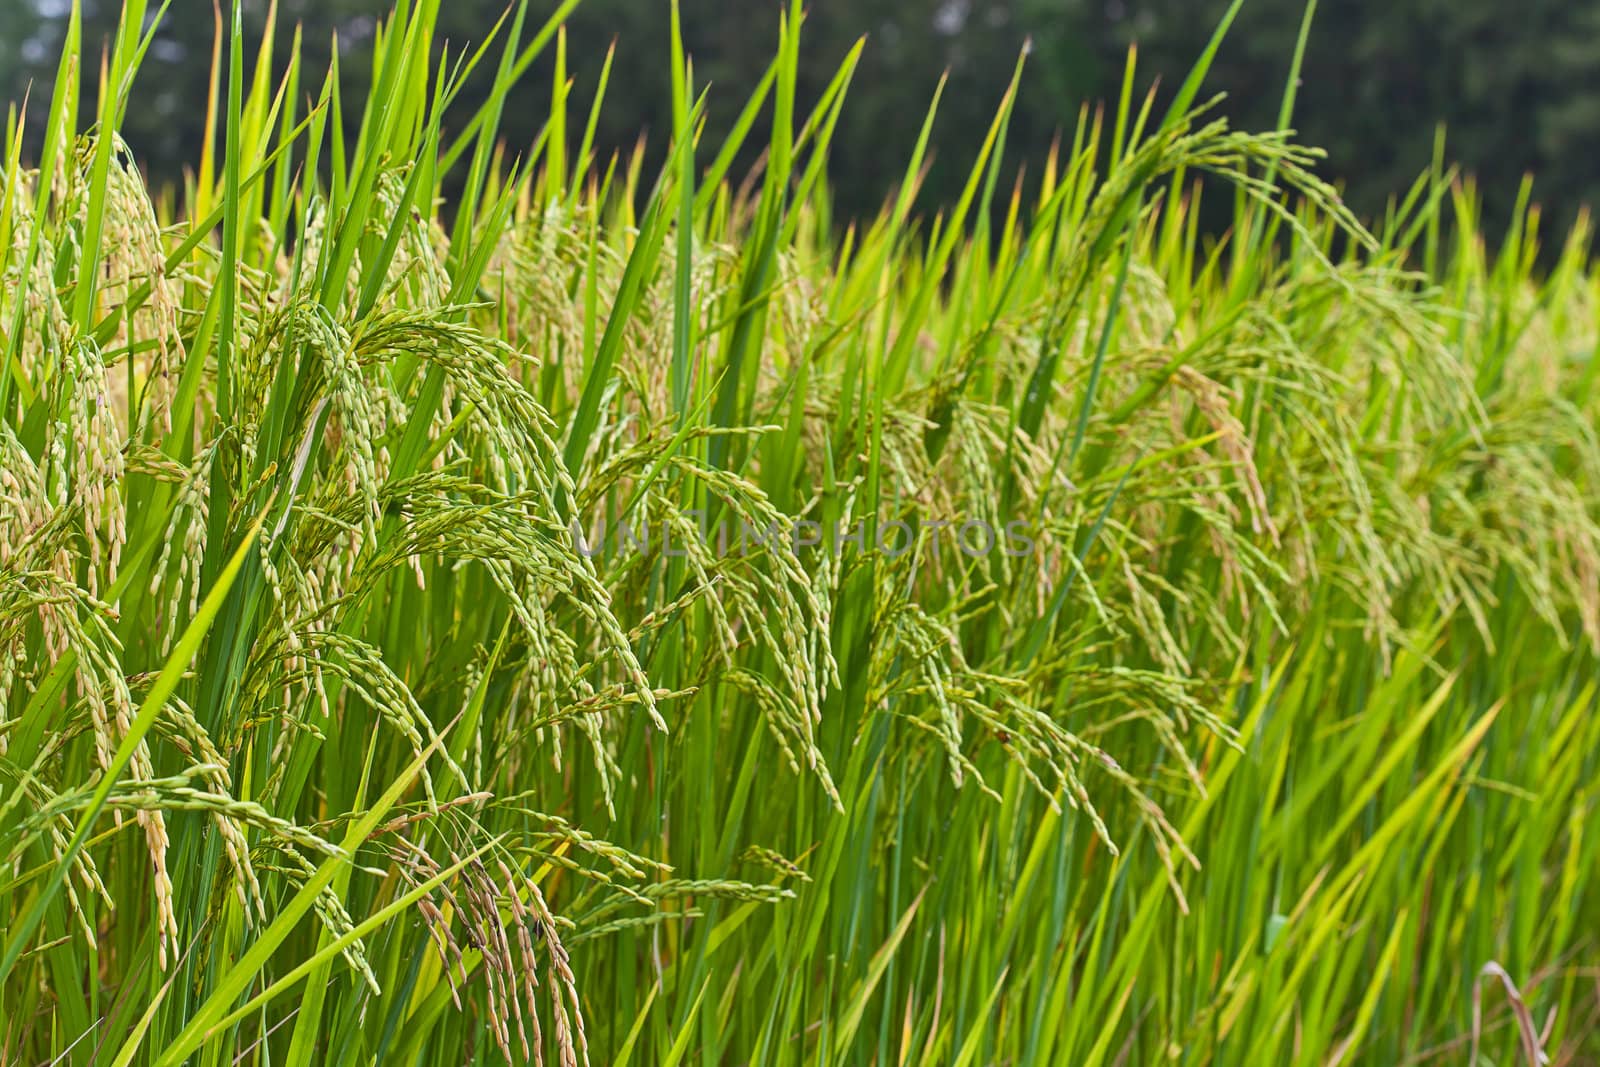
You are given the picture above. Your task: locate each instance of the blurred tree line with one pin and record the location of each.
(1518, 85)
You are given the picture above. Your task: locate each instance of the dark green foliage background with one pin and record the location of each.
(1518, 85)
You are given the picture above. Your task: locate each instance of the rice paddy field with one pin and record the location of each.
(465, 602)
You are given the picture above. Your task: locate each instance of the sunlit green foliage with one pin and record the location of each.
(324, 740)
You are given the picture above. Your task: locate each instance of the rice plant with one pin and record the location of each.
(475, 602)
